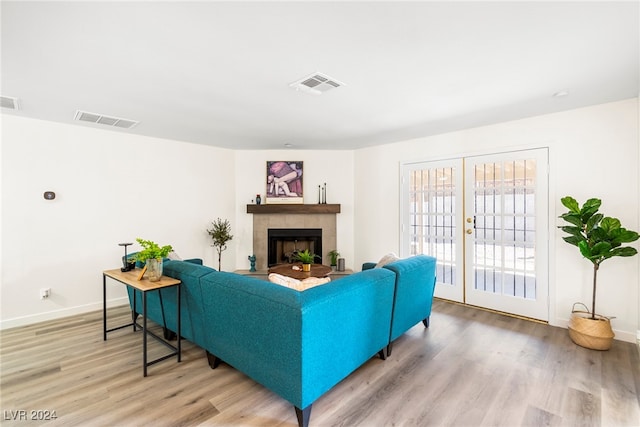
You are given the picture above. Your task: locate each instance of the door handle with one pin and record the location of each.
(469, 231)
(471, 221)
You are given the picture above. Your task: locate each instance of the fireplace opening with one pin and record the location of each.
(284, 243)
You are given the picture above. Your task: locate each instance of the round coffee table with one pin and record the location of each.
(317, 270)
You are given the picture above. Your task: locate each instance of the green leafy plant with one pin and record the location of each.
(220, 232)
(598, 237)
(150, 250)
(305, 257)
(333, 255)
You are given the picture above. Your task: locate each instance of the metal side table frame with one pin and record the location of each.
(130, 279)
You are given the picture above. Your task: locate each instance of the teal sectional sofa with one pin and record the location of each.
(297, 344)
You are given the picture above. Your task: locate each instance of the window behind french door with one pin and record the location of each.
(485, 220)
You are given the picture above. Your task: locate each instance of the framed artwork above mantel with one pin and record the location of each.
(284, 182)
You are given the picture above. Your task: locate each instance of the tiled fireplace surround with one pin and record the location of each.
(264, 221)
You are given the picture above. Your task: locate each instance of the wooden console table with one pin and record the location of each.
(130, 279)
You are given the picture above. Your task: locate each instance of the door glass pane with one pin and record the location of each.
(432, 218)
(504, 242)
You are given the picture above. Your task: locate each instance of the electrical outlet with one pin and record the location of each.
(45, 293)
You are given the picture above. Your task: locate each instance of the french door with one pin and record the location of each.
(485, 219)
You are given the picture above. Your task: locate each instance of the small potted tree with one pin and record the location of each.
(220, 232)
(306, 258)
(152, 255)
(598, 238)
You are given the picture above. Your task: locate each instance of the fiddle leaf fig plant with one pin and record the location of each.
(597, 237)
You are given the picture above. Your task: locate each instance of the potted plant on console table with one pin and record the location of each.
(152, 254)
(598, 238)
(306, 258)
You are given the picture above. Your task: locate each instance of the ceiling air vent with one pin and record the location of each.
(9, 102)
(84, 116)
(316, 83)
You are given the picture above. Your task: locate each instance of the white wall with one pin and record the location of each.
(111, 187)
(593, 153)
(335, 168)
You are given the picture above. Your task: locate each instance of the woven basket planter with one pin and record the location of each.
(595, 334)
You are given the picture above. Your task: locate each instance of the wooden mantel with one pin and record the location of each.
(320, 208)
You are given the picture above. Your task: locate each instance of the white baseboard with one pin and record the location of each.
(57, 314)
(624, 336)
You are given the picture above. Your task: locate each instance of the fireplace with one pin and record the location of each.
(284, 243)
(269, 217)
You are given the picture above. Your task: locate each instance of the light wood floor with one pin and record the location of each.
(470, 368)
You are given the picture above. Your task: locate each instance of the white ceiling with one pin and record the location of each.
(218, 73)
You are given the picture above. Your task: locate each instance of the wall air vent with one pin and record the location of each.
(9, 102)
(84, 116)
(316, 83)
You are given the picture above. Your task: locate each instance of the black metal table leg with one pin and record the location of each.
(179, 324)
(144, 333)
(104, 307)
(134, 312)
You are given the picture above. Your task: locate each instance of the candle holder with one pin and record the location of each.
(125, 262)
